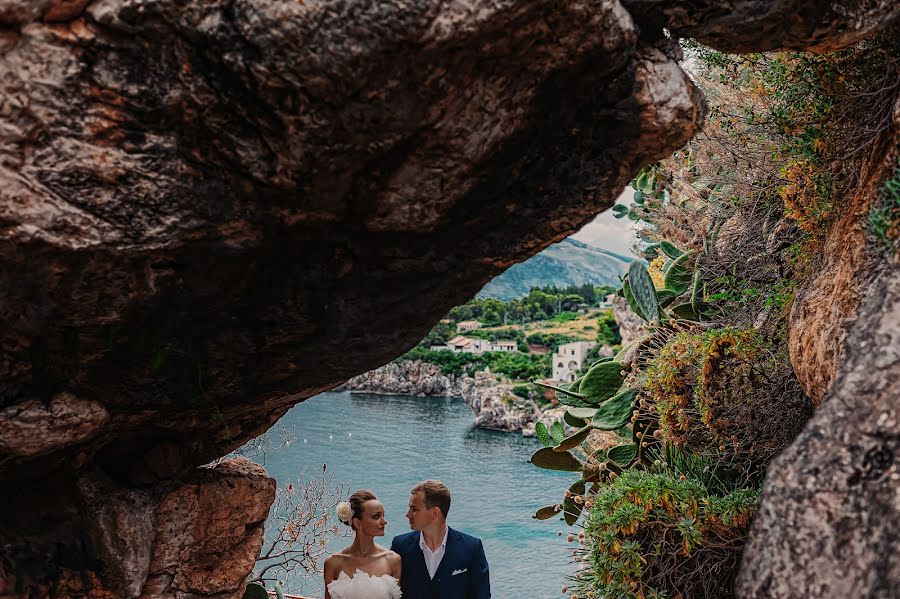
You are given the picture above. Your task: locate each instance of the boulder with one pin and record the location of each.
(631, 326)
(214, 210)
(830, 513)
(195, 535)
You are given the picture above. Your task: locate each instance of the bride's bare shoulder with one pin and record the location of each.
(337, 559)
(392, 556)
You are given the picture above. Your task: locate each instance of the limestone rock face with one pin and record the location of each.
(830, 511)
(495, 407)
(827, 305)
(631, 326)
(825, 308)
(408, 377)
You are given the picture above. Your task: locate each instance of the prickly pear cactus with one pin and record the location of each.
(602, 381)
(678, 276)
(643, 291)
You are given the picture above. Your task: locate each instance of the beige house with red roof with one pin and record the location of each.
(468, 325)
(460, 344)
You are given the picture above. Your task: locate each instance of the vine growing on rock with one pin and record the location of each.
(884, 219)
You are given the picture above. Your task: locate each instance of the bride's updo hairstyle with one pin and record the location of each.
(356, 506)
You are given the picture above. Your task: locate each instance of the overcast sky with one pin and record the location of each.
(608, 232)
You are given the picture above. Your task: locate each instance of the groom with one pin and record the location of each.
(439, 562)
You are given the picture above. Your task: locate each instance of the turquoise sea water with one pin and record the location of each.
(387, 443)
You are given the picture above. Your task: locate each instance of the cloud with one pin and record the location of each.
(608, 232)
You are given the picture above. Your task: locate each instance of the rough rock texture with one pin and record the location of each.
(826, 306)
(824, 309)
(494, 406)
(213, 209)
(209, 531)
(631, 326)
(196, 535)
(14, 12)
(828, 524)
(410, 377)
(757, 25)
(31, 429)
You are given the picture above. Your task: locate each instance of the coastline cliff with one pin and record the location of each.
(492, 401)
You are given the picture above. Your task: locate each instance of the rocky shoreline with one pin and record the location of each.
(492, 401)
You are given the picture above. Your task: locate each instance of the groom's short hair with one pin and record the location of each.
(436, 495)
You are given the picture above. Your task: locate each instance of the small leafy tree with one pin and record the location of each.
(608, 329)
(490, 318)
(301, 522)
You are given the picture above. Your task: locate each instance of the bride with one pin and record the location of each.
(364, 570)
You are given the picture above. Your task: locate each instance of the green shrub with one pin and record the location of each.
(749, 399)
(726, 393)
(523, 391)
(608, 329)
(671, 378)
(440, 334)
(518, 366)
(657, 535)
(564, 316)
(884, 220)
(514, 365)
(450, 362)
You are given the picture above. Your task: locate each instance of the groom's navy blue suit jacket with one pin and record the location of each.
(462, 574)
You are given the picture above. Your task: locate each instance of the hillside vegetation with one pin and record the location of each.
(539, 322)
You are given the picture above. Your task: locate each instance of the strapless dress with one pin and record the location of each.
(364, 586)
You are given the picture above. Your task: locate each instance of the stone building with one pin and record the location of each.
(569, 358)
(460, 344)
(468, 325)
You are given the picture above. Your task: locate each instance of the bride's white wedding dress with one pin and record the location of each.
(364, 586)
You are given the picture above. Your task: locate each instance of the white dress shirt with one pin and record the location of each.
(433, 558)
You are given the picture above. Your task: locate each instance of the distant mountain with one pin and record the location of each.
(568, 262)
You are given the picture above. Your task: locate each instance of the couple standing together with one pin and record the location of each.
(431, 562)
